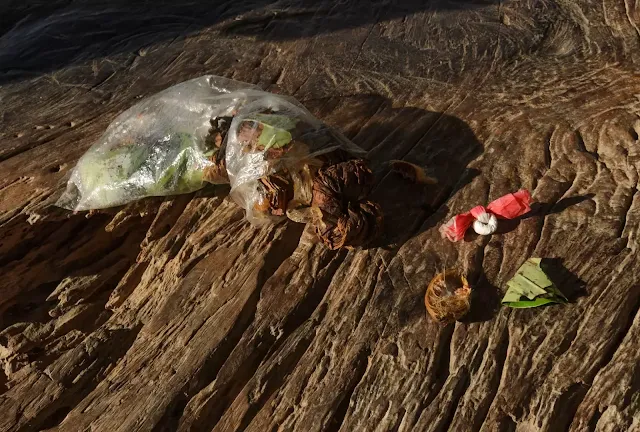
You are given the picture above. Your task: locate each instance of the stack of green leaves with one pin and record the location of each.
(531, 287)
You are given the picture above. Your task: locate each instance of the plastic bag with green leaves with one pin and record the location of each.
(158, 147)
(209, 129)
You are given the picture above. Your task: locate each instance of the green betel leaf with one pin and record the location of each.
(531, 287)
(275, 130)
(181, 175)
(272, 137)
(104, 175)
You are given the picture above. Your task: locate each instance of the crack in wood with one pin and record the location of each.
(360, 367)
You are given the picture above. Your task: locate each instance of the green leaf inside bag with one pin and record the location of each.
(531, 287)
(132, 171)
(103, 173)
(275, 130)
(181, 174)
(114, 166)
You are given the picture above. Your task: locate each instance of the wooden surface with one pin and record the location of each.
(175, 314)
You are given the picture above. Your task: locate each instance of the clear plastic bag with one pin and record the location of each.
(274, 147)
(270, 147)
(158, 147)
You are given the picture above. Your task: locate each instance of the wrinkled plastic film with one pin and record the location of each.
(159, 147)
(155, 148)
(269, 135)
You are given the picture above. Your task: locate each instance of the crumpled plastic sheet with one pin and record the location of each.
(158, 147)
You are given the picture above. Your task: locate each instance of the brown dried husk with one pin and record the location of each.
(248, 134)
(448, 297)
(329, 191)
(348, 218)
(275, 193)
(358, 227)
(216, 173)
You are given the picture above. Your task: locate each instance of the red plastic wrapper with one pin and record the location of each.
(510, 206)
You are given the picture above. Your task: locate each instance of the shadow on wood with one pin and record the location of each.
(38, 37)
(567, 282)
(68, 255)
(442, 144)
(538, 209)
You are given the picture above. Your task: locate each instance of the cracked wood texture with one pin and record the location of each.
(176, 315)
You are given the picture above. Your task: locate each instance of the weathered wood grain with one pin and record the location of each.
(175, 314)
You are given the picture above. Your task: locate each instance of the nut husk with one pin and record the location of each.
(300, 213)
(328, 191)
(448, 297)
(216, 141)
(359, 226)
(216, 173)
(348, 218)
(275, 193)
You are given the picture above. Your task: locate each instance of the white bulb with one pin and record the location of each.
(485, 224)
